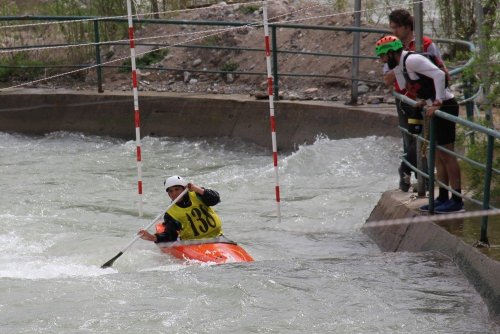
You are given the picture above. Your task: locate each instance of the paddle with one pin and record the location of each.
(110, 262)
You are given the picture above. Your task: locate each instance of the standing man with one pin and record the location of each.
(401, 23)
(420, 76)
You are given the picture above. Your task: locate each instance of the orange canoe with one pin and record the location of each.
(218, 250)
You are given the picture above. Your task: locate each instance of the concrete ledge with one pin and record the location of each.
(35, 111)
(482, 271)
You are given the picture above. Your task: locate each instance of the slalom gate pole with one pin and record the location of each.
(271, 107)
(136, 104)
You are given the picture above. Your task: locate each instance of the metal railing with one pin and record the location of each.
(273, 27)
(487, 167)
(275, 54)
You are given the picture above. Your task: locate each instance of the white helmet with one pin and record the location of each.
(175, 180)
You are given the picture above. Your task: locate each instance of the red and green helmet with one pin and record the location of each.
(386, 44)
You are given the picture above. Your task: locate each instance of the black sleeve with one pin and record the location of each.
(171, 232)
(210, 197)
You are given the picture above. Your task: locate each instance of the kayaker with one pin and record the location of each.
(191, 217)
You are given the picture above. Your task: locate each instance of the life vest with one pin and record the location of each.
(198, 221)
(423, 87)
(411, 47)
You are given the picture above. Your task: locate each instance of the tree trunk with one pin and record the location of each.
(155, 9)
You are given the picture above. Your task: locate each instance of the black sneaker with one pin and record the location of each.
(437, 202)
(450, 206)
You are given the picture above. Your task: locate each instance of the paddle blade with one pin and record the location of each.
(110, 262)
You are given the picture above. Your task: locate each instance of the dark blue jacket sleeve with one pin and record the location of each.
(210, 197)
(171, 232)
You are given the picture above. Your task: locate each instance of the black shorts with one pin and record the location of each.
(445, 130)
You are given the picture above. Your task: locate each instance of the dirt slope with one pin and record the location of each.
(305, 40)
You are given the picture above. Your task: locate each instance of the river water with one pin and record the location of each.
(69, 204)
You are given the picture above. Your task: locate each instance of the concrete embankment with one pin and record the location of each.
(34, 111)
(482, 271)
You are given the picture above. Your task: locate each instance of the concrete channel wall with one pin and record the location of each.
(190, 116)
(481, 271)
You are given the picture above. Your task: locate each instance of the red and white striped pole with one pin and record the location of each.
(271, 107)
(136, 104)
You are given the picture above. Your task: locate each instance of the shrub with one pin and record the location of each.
(229, 66)
(474, 177)
(20, 67)
(249, 9)
(146, 60)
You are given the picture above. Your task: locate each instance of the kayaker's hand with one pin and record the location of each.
(195, 188)
(146, 235)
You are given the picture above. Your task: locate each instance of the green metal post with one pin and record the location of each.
(431, 160)
(487, 187)
(355, 52)
(469, 106)
(98, 57)
(275, 62)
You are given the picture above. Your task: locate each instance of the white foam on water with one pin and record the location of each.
(47, 268)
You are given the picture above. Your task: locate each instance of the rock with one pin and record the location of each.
(390, 100)
(276, 11)
(363, 89)
(193, 81)
(230, 78)
(202, 78)
(260, 96)
(187, 76)
(333, 98)
(311, 90)
(375, 99)
(197, 62)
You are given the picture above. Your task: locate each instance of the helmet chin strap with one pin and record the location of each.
(391, 60)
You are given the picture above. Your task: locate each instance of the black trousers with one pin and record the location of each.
(409, 142)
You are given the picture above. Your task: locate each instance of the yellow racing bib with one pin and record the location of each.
(198, 221)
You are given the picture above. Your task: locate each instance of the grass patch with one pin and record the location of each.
(474, 176)
(212, 40)
(229, 66)
(250, 9)
(20, 67)
(146, 60)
